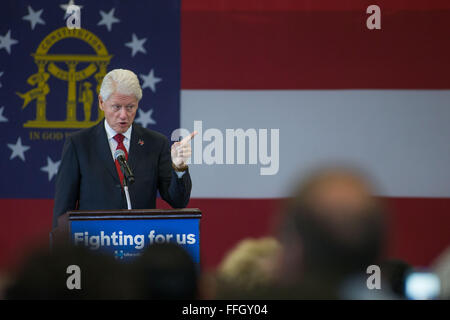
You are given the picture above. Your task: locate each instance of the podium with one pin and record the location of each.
(125, 233)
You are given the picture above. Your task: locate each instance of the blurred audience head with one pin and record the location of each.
(333, 229)
(248, 267)
(45, 274)
(166, 272)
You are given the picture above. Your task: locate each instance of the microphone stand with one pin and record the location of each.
(127, 194)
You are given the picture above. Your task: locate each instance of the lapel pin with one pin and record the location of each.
(141, 142)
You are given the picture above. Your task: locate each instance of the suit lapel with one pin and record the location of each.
(136, 149)
(104, 150)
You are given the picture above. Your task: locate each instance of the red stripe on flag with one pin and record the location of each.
(24, 225)
(258, 49)
(310, 5)
(418, 228)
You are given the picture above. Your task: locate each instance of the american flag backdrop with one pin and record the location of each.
(337, 91)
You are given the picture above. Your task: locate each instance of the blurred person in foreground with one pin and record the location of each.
(333, 229)
(166, 271)
(44, 276)
(247, 268)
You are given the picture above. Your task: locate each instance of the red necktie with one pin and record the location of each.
(119, 138)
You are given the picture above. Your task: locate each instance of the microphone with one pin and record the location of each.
(119, 155)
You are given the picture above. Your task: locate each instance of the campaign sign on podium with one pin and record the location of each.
(125, 233)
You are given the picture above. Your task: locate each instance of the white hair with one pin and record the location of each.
(121, 81)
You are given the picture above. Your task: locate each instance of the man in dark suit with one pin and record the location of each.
(89, 178)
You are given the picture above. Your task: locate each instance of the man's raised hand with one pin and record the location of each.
(181, 151)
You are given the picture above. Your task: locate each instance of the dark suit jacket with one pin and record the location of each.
(87, 177)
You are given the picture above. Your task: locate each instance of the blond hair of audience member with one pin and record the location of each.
(250, 264)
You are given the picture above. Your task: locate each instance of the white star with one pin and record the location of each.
(34, 17)
(66, 6)
(145, 118)
(2, 117)
(51, 168)
(6, 42)
(18, 150)
(136, 45)
(1, 73)
(150, 80)
(108, 19)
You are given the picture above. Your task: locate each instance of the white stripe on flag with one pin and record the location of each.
(399, 137)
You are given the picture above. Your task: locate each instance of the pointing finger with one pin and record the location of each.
(189, 137)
